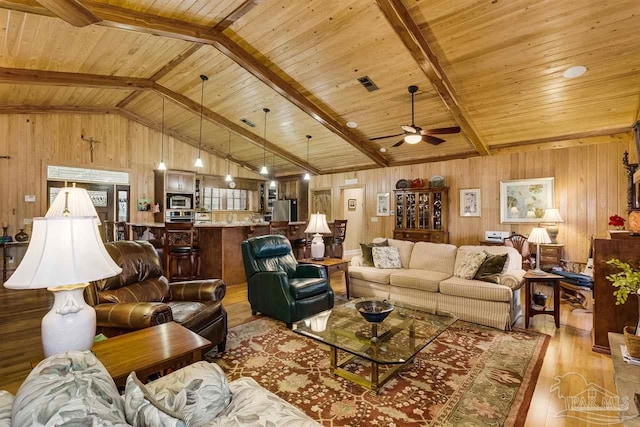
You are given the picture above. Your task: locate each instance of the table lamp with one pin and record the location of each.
(317, 225)
(538, 236)
(550, 218)
(72, 201)
(65, 253)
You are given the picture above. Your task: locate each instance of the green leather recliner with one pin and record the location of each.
(280, 287)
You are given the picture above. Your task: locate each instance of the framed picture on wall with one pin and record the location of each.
(470, 202)
(525, 200)
(351, 204)
(382, 204)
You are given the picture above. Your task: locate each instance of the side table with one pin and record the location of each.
(529, 310)
(150, 350)
(331, 265)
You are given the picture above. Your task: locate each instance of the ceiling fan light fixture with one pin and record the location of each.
(414, 138)
(575, 71)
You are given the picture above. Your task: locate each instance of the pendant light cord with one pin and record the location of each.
(229, 153)
(162, 136)
(264, 142)
(204, 78)
(308, 140)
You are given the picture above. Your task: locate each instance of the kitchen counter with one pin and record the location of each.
(220, 243)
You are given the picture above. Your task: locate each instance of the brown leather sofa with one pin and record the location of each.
(141, 296)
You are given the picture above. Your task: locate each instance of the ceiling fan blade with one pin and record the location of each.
(410, 129)
(441, 131)
(432, 140)
(398, 144)
(385, 137)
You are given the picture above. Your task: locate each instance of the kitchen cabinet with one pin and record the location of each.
(180, 182)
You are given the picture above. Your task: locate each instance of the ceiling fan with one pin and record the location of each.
(414, 134)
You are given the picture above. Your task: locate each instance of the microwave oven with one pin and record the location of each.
(176, 201)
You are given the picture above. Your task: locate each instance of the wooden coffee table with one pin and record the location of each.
(149, 351)
(331, 265)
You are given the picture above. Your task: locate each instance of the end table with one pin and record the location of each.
(331, 265)
(547, 279)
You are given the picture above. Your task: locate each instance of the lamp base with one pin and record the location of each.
(537, 272)
(552, 230)
(317, 247)
(71, 323)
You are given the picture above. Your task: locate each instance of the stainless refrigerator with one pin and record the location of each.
(285, 210)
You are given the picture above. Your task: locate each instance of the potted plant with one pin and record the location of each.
(627, 282)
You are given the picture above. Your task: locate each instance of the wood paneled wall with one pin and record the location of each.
(590, 185)
(36, 140)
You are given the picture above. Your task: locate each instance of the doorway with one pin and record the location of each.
(353, 211)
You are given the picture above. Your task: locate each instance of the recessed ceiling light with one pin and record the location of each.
(573, 72)
(352, 125)
(383, 150)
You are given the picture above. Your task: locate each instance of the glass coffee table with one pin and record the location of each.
(391, 344)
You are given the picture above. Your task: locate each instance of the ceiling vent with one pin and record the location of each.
(368, 83)
(248, 122)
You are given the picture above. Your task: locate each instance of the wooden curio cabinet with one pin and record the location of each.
(421, 214)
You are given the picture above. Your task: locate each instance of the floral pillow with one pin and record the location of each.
(198, 392)
(386, 257)
(6, 402)
(470, 265)
(143, 410)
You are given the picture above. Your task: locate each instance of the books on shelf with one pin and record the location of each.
(627, 358)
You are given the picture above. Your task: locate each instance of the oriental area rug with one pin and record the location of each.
(469, 376)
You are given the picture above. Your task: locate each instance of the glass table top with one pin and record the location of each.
(405, 332)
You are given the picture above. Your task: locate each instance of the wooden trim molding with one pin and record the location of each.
(413, 39)
(562, 141)
(53, 109)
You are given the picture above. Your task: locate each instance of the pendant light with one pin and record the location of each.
(162, 166)
(273, 183)
(228, 178)
(307, 177)
(198, 163)
(264, 170)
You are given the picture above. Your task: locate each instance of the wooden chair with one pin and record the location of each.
(179, 246)
(280, 228)
(339, 236)
(519, 242)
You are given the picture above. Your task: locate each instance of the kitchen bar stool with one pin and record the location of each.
(179, 246)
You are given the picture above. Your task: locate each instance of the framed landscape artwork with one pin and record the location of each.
(525, 200)
(470, 202)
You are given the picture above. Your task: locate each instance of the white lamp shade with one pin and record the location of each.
(63, 251)
(79, 204)
(318, 224)
(552, 215)
(539, 235)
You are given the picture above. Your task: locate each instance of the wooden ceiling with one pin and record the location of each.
(492, 67)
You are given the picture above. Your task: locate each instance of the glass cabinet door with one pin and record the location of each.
(399, 211)
(410, 223)
(437, 211)
(424, 211)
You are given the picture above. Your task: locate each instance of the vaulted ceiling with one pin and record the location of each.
(492, 67)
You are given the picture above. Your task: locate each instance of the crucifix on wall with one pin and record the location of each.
(92, 144)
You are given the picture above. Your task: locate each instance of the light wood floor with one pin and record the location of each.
(569, 349)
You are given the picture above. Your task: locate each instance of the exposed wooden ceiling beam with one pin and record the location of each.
(238, 13)
(186, 139)
(53, 109)
(456, 156)
(26, 7)
(57, 78)
(71, 11)
(163, 72)
(127, 19)
(563, 141)
(413, 39)
(216, 118)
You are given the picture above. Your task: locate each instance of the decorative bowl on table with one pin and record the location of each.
(374, 311)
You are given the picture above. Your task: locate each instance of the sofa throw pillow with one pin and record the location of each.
(367, 255)
(198, 392)
(71, 388)
(6, 402)
(491, 268)
(470, 264)
(386, 257)
(143, 410)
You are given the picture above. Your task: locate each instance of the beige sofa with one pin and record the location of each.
(426, 280)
